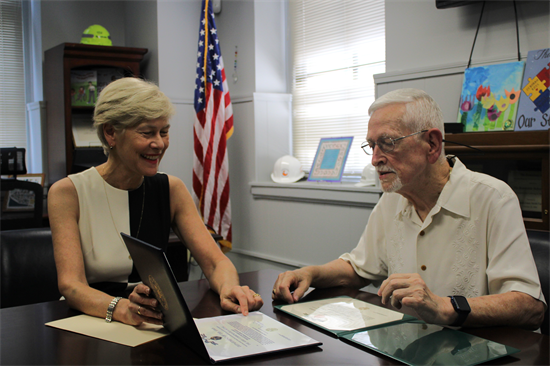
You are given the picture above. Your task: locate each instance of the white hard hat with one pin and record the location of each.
(287, 169)
(369, 177)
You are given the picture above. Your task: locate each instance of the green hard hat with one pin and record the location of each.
(96, 34)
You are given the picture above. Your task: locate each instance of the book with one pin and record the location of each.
(534, 102)
(83, 88)
(343, 315)
(84, 134)
(106, 76)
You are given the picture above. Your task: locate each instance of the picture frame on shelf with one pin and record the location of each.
(330, 159)
(20, 199)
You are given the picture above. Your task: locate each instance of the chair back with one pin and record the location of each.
(540, 246)
(28, 273)
(22, 204)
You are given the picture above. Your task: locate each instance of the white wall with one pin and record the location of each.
(65, 20)
(178, 26)
(430, 48)
(141, 31)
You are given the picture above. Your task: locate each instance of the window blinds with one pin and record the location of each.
(337, 47)
(12, 82)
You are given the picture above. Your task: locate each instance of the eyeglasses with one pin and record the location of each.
(386, 144)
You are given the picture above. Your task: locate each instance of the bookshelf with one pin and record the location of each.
(59, 61)
(519, 158)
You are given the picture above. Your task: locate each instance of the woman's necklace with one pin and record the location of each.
(111, 212)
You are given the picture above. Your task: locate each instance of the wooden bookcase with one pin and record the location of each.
(519, 158)
(58, 63)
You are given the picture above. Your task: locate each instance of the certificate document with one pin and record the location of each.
(236, 335)
(344, 314)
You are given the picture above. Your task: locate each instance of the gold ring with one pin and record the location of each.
(139, 309)
(256, 295)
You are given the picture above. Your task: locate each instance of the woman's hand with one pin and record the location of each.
(240, 299)
(139, 308)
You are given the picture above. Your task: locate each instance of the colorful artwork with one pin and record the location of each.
(489, 97)
(534, 104)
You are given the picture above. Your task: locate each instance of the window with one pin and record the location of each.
(12, 81)
(337, 48)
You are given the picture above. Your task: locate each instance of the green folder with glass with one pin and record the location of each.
(394, 334)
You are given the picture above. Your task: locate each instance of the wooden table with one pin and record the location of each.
(25, 340)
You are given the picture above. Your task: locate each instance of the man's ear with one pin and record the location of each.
(109, 133)
(435, 140)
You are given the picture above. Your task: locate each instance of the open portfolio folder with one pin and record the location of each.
(216, 339)
(396, 335)
(340, 315)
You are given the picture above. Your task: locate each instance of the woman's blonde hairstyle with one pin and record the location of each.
(126, 103)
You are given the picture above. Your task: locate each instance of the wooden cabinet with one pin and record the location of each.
(58, 63)
(519, 158)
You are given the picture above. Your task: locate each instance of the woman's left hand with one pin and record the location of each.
(240, 299)
(143, 307)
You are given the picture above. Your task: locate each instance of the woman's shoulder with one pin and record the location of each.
(63, 193)
(64, 185)
(173, 180)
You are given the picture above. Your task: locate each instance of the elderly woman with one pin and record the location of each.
(127, 194)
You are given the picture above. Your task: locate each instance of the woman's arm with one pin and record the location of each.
(63, 211)
(218, 269)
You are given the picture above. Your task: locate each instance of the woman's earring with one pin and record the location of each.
(111, 147)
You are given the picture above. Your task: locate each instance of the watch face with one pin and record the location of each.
(461, 303)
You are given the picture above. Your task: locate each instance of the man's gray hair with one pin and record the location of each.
(127, 102)
(421, 111)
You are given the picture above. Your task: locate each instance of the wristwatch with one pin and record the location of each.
(461, 306)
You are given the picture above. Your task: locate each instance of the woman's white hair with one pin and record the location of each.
(126, 103)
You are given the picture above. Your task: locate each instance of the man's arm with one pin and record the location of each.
(335, 273)
(507, 309)
(516, 309)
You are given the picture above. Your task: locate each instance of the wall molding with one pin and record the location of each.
(435, 71)
(343, 194)
(268, 257)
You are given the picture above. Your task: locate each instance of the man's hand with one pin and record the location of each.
(240, 299)
(411, 290)
(297, 281)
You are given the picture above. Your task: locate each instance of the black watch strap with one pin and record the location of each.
(462, 308)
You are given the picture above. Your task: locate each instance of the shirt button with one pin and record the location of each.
(130, 257)
(422, 233)
(423, 267)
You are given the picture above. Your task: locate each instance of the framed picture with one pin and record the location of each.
(534, 102)
(330, 159)
(21, 199)
(489, 97)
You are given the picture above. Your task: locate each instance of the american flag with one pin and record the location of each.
(213, 127)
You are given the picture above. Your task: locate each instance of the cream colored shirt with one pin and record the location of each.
(472, 243)
(104, 213)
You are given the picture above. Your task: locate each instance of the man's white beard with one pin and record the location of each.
(395, 186)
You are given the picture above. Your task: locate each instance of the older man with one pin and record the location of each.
(447, 242)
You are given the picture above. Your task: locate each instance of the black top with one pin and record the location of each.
(155, 223)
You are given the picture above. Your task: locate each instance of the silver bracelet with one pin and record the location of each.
(111, 309)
